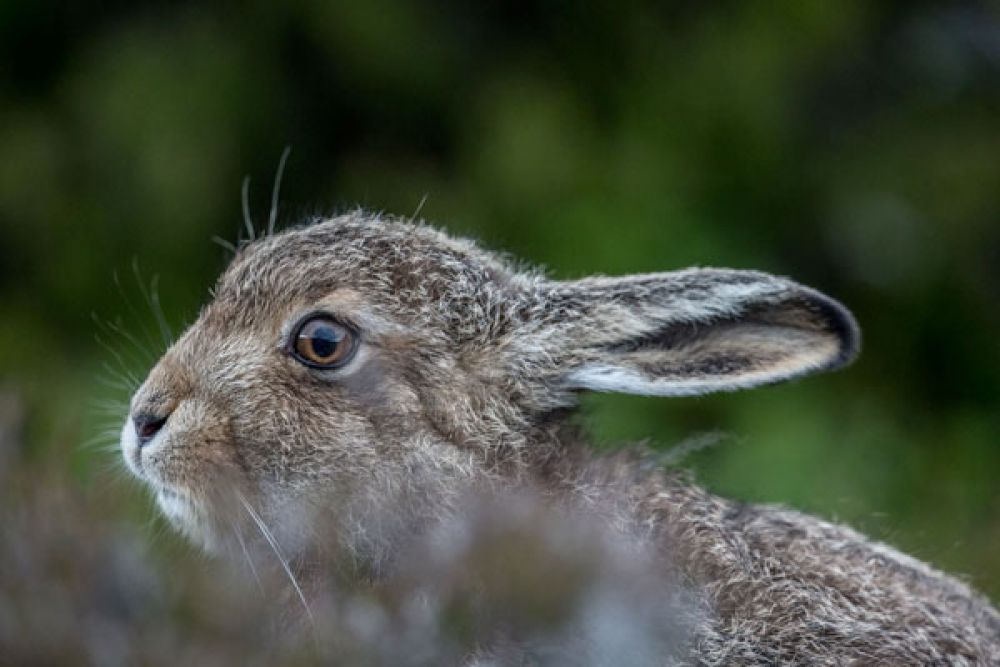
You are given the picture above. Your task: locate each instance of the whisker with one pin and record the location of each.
(420, 207)
(147, 351)
(107, 405)
(157, 307)
(147, 297)
(226, 245)
(273, 215)
(245, 198)
(109, 449)
(111, 470)
(121, 374)
(123, 377)
(99, 443)
(136, 313)
(116, 384)
(142, 353)
(266, 532)
(246, 552)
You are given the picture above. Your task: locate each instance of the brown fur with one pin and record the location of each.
(466, 372)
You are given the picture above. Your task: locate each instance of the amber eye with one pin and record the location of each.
(323, 342)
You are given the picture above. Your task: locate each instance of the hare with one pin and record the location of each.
(363, 374)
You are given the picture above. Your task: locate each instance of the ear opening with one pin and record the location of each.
(708, 337)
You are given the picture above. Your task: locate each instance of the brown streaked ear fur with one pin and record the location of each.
(698, 331)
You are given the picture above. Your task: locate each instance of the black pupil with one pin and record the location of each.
(325, 340)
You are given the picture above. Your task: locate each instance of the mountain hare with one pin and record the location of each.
(353, 380)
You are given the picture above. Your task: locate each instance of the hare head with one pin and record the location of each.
(358, 359)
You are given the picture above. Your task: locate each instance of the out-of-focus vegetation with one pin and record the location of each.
(853, 145)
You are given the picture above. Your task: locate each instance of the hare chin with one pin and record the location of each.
(188, 516)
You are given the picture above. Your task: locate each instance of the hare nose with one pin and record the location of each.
(147, 425)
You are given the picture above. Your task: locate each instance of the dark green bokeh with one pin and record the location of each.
(853, 145)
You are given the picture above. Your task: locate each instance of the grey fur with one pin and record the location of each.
(466, 372)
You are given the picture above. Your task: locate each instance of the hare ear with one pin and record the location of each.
(695, 331)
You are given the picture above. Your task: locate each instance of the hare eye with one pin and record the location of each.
(322, 342)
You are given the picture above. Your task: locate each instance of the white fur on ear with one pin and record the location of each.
(621, 379)
(626, 381)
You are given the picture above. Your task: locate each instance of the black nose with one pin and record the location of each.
(147, 425)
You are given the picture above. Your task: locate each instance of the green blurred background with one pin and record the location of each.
(854, 146)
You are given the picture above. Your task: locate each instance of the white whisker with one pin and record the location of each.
(245, 198)
(420, 207)
(266, 532)
(275, 191)
(147, 349)
(150, 340)
(226, 245)
(157, 308)
(152, 298)
(246, 553)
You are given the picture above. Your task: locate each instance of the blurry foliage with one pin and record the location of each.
(854, 146)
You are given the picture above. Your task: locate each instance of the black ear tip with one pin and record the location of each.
(840, 322)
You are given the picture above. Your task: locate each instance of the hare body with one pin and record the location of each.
(362, 375)
(788, 588)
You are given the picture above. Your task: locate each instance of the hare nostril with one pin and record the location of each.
(147, 426)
